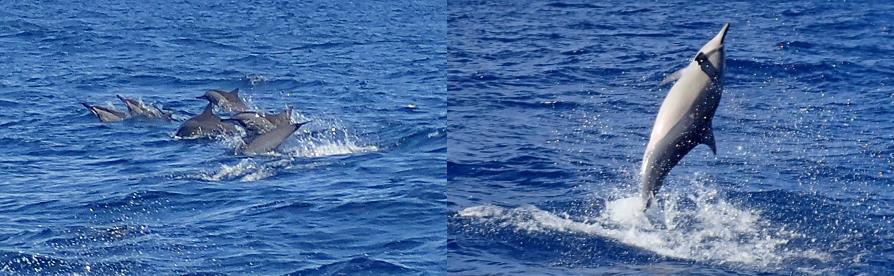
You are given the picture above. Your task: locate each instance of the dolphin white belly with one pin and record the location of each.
(684, 119)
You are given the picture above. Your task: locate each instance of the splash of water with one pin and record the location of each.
(697, 226)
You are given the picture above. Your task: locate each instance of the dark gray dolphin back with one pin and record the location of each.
(254, 122)
(227, 101)
(205, 124)
(272, 139)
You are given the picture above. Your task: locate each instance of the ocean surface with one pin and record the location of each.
(551, 103)
(361, 189)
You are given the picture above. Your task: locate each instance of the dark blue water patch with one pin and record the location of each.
(358, 266)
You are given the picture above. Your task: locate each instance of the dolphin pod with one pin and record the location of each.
(265, 131)
(136, 109)
(684, 119)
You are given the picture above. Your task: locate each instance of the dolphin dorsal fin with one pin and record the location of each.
(235, 92)
(672, 77)
(285, 115)
(209, 111)
(708, 139)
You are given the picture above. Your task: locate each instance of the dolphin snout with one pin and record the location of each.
(723, 32)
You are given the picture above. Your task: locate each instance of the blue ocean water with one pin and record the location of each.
(359, 190)
(551, 104)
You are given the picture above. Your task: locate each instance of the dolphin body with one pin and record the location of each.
(206, 124)
(140, 110)
(105, 114)
(226, 101)
(262, 122)
(270, 140)
(684, 119)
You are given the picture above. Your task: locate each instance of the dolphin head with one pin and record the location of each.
(713, 50)
(131, 104)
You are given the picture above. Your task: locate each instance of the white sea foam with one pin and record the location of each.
(247, 170)
(334, 140)
(227, 172)
(713, 230)
(329, 148)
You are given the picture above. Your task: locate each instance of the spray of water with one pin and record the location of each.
(696, 225)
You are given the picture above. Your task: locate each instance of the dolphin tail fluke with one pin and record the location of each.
(648, 197)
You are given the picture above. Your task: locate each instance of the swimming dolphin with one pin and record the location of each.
(261, 122)
(226, 101)
(271, 140)
(684, 119)
(106, 114)
(206, 124)
(140, 110)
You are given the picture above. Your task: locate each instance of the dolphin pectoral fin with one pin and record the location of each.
(672, 77)
(708, 139)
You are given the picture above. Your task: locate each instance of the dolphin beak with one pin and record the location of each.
(722, 34)
(201, 97)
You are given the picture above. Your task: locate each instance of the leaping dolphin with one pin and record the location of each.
(106, 114)
(206, 124)
(226, 101)
(270, 140)
(140, 110)
(684, 119)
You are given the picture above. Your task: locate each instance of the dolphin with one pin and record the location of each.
(106, 114)
(226, 101)
(270, 140)
(684, 119)
(261, 122)
(140, 110)
(206, 124)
